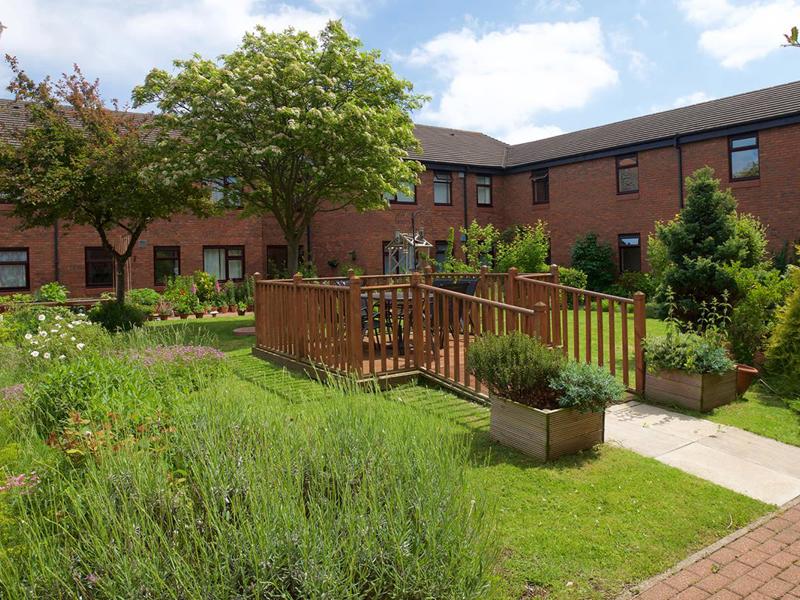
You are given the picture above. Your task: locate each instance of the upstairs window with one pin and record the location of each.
(14, 269)
(407, 194)
(743, 156)
(541, 186)
(99, 265)
(484, 189)
(628, 174)
(166, 263)
(224, 262)
(442, 182)
(630, 252)
(222, 192)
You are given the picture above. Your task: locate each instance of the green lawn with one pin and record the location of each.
(581, 527)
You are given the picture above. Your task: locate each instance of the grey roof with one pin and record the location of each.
(769, 103)
(456, 146)
(459, 147)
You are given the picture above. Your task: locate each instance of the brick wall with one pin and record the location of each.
(583, 197)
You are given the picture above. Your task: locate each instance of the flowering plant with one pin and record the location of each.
(58, 338)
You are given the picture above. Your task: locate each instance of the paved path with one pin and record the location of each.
(758, 562)
(741, 461)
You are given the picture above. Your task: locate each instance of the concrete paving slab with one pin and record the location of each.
(741, 461)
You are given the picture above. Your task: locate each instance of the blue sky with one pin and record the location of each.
(518, 70)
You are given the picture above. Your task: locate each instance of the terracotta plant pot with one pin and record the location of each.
(745, 375)
(222, 309)
(199, 315)
(183, 315)
(232, 308)
(701, 392)
(544, 434)
(163, 317)
(250, 307)
(240, 312)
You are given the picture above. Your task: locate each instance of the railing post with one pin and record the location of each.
(416, 317)
(482, 281)
(299, 320)
(541, 324)
(555, 277)
(639, 333)
(258, 310)
(428, 275)
(354, 323)
(510, 299)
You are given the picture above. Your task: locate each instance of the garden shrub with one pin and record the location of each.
(596, 259)
(783, 352)
(631, 282)
(686, 351)
(705, 238)
(25, 319)
(144, 298)
(572, 277)
(515, 366)
(761, 291)
(527, 250)
(52, 292)
(359, 497)
(114, 316)
(204, 285)
(586, 387)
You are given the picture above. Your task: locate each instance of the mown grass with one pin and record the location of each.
(581, 527)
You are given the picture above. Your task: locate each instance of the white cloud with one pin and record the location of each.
(501, 82)
(569, 6)
(530, 133)
(638, 62)
(688, 99)
(121, 42)
(738, 33)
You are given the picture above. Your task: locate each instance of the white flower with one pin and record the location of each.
(62, 357)
(34, 353)
(70, 325)
(72, 339)
(63, 335)
(80, 346)
(40, 317)
(47, 355)
(54, 331)
(43, 333)
(59, 317)
(28, 336)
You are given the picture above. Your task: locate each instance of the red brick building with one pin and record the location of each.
(615, 180)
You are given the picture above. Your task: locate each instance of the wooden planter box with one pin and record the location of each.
(691, 390)
(544, 434)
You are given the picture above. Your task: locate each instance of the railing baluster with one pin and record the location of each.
(624, 333)
(599, 331)
(382, 325)
(456, 339)
(436, 332)
(564, 329)
(395, 317)
(587, 309)
(612, 339)
(370, 333)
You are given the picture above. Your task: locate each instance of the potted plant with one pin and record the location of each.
(163, 309)
(200, 310)
(241, 308)
(689, 365)
(688, 369)
(541, 403)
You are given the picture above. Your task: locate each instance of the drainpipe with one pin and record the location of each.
(309, 254)
(56, 268)
(464, 187)
(677, 144)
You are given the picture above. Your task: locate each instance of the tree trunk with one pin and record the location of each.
(292, 253)
(119, 264)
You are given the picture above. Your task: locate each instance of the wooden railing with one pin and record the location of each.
(376, 326)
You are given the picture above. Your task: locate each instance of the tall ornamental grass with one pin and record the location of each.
(355, 497)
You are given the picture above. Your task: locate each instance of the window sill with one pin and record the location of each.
(745, 183)
(628, 196)
(541, 205)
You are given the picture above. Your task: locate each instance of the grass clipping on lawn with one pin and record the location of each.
(354, 497)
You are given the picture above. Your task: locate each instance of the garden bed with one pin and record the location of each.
(695, 391)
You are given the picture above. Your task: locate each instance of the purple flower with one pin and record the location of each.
(24, 482)
(92, 578)
(12, 393)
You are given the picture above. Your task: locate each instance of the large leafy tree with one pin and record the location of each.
(80, 162)
(292, 124)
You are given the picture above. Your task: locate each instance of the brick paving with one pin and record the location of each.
(759, 562)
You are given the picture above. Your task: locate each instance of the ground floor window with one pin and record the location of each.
(630, 252)
(278, 261)
(14, 269)
(224, 262)
(166, 263)
(441, 252)
(99, 266)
